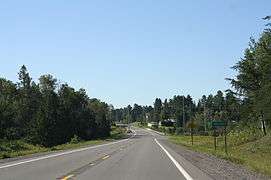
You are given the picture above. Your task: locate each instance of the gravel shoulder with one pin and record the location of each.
(215, 167)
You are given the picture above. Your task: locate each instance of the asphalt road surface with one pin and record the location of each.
(141, 157)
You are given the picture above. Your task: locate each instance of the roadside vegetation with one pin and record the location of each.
(15, 148)
(49, 116)
(250, 152)
(47, 113)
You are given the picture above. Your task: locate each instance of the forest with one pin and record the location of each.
(48, 113)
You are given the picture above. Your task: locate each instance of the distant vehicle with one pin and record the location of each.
(167, 122)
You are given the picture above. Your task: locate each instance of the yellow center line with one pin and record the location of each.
(70, 176)
(105, 157)
(67, 177)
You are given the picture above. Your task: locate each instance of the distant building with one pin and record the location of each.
(167, 122)
(152, 124)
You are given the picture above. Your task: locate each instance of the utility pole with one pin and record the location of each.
(204, 118)
(183, 115)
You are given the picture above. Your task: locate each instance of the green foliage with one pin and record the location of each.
(75, 140)
(253, 80)
(244, 135)
(118, 133)
(49, 113)
(15, 148)
(171, 130)
(179, 130)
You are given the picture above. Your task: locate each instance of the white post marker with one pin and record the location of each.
(179, 167)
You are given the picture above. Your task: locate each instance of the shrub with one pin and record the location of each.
(179, 130)
(75, 139)
(162, 129)
(169, 130)
(154, 126)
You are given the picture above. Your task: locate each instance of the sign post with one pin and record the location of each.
(216, 125)
(192, 125)
(226, 145)
(215, 134)
(192, 137)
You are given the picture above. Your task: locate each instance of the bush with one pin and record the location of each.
(154, 126)
(11, 146)
(75, 140)
(162, 129)
(179, 130)
(169, 130)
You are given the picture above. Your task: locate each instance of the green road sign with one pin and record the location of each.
(219, 124)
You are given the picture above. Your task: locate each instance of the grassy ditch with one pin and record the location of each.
(10, 149)
(250, 150)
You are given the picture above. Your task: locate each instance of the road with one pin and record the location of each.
(144, 156)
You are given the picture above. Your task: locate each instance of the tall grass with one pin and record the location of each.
(248, 147)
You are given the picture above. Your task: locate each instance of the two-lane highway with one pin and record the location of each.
(142, 157)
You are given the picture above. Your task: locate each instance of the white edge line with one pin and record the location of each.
(179, 167)
(64, 153)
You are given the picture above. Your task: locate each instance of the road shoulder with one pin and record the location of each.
(216, 168)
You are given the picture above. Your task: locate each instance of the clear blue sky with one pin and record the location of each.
(129, 51)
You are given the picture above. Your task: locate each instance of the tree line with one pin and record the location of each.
(183, 109)
(247, 104)
(49, 113)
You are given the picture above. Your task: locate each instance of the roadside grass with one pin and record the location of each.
(9, 149)
(139, 125)
(252, 152)
(16, 148)
(76, 145)
(118, 133)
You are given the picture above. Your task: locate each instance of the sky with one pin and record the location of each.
(125, 52)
